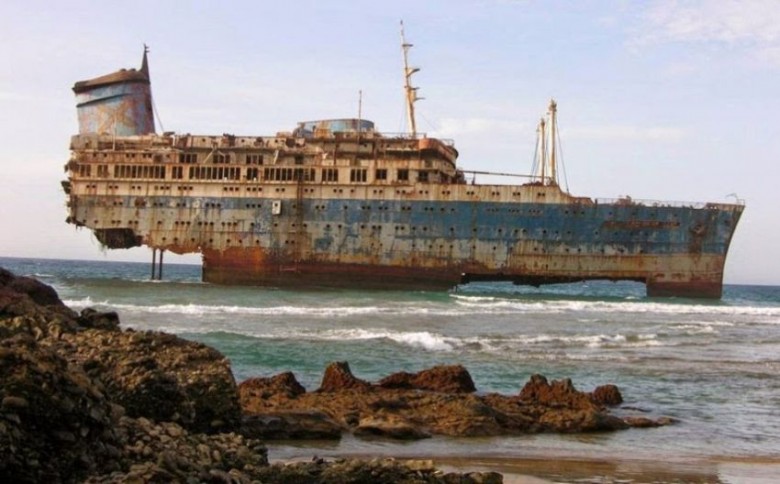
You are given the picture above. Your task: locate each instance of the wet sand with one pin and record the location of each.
(538, 469)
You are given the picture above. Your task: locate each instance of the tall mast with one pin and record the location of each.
(410, 91)
(542, 151)
(553, 142)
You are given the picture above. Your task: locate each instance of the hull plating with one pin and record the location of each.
(429, 243)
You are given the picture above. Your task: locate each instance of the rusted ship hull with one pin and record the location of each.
(336, 203)
(425, 237)
(252, 267)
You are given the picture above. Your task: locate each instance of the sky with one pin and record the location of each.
(660, 100)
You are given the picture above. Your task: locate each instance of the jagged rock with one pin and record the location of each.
(166, 452)
(55, 422)
(559, 393)
(90, 318)
(607, 395)
(64, 375)
(541, 406)
(392, 426)
(339, 377)
(284, 384)
(40, 293)
(161, 376)
(443, 378)
(301, 424)
(399, 380)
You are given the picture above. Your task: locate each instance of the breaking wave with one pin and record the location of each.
(500, 305)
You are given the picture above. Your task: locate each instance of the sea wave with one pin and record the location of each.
(437, 342)
(83, 303)
(500, 304)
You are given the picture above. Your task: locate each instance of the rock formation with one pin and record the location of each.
(83, 401)
(437, 401)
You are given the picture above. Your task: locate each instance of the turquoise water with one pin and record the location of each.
(712, 365)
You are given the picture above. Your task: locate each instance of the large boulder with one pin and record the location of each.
(55, 422)
(608, 395)
(161, 377)
(40, 293)
(442, 378)
(154, 375)
(30, 307)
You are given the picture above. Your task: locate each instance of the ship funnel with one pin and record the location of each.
(118, 104)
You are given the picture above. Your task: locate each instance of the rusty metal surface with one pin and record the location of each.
(119, 104)
(337, 203)
(378, 232)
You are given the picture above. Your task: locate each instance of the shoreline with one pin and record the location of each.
(538, 465)
(532, 469)
(49, 330)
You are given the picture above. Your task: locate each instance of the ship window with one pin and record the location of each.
(85, 170)
(301, 174)
(357, 175)
(381, 174)
(422, 176)
(330, 175)
(221, 158)
(188, 157)
(252, 173)
(403, 175)
(254, 159)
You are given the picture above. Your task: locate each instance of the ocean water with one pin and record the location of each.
(713, 365)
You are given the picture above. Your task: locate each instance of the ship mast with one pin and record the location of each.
(546, 161)
(541, 136)
(409, 90)
(553, 110)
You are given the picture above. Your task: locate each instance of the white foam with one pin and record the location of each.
(418, 339)
(502, 304)
(81, 303)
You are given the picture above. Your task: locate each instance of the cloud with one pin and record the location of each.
(625, 133)
(748, 24)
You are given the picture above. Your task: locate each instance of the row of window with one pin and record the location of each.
(136, 171)
(219, 158)
(214, 173)
(356, 175)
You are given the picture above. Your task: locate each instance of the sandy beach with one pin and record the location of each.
(540, 467)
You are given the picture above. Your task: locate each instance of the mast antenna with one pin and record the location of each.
(409, 90)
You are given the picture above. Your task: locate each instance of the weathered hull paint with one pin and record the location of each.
(118, 104)
(336, 203)
(240, 266)
(675, 250)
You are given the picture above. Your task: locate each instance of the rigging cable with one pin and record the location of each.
(560, 151)
(535, 164)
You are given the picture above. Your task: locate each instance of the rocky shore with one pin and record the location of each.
(82, 400)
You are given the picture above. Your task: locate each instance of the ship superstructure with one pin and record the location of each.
(337, 203)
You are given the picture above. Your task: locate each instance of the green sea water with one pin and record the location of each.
(712, 365)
